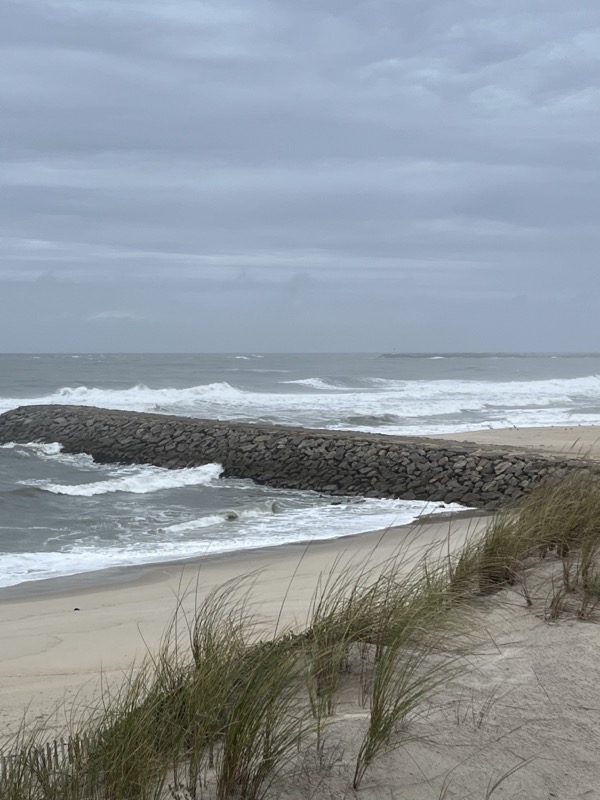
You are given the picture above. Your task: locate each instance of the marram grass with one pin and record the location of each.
(220, 712)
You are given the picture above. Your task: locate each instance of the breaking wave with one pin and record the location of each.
(140, 480)
(399, 406)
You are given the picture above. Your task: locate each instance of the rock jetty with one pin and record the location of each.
(331, 462)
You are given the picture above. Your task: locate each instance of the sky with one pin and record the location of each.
(323, 175)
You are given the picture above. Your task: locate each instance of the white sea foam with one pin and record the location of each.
(137, 398)
(36, 448)
(196, 524)
(233, 515)
(247, 532)
(420, 406)
(139, 480)
(215, 519)
(319, 383)
(53, 451)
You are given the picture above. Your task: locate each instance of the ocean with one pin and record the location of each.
(64, 514)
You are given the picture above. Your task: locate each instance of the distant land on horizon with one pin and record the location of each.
(490, 354)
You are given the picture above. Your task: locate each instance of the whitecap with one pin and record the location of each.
(140, 480)
(53, 451)
(319, 383)
(37, 448)
(421, 406)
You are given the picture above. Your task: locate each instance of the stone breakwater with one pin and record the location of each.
(333, 462)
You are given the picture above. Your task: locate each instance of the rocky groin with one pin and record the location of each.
(333, 462)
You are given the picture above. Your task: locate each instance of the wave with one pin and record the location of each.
(34, 448)
(24, 492)
(245, 533)
(141, 480)
(256, 369)
(143, 398)
(371, 419)
(53, 451)
(137, 398)
(233, 515)
(419, 406)
(320, 383)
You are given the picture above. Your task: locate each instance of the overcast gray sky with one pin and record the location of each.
(206, 175)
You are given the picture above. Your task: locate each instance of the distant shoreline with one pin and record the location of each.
(436, 354)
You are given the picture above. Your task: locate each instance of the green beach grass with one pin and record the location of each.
(222, 711)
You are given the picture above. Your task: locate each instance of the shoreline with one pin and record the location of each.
(55, 645)
(58, 635)
(108, 578)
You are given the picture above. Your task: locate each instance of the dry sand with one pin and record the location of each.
(530, 698)
(528, 702)
(49, 651)
(571, 442)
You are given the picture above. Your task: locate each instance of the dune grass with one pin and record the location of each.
(557, 518)
(221, 710)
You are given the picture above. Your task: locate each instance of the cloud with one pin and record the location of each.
(373, 147)
(103, 316)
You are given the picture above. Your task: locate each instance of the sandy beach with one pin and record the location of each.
(578, 441)
(517, 705)
(50, 651)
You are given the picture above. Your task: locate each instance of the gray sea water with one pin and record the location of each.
(62, 514)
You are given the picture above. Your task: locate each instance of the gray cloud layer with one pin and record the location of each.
(221, 175)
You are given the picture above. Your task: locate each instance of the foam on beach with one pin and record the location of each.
(255, 526)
